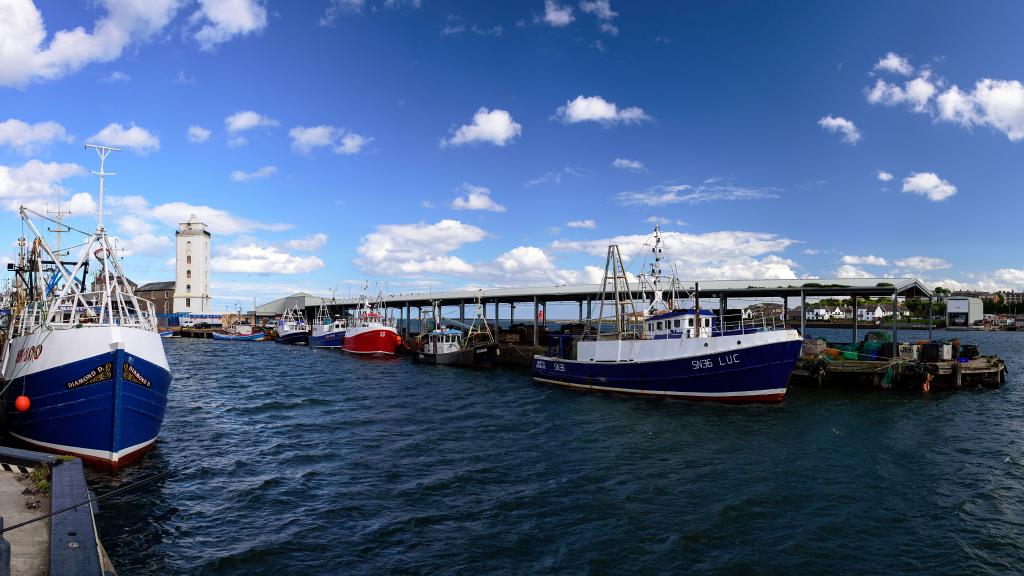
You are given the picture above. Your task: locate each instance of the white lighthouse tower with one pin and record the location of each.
(192, 268)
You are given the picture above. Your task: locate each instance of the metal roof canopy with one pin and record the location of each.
(867, 287)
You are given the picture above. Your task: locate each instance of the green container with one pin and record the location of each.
(849, 355)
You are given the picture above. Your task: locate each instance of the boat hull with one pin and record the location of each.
(378, 340)
(256, 337)
(327, 340)
(105, 407)
(297, 338)
(480, 356)
(751, 374)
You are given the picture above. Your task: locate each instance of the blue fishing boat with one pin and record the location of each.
(327, 332)
(292, 328)
(253, 337)
(662, 350)
(167, 333)
(84, 369)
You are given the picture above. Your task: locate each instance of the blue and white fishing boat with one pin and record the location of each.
(292, 328)
(84, 370)
(327, 332)
(660, 350)
(250, 337)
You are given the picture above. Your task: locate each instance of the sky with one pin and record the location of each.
(422, 145)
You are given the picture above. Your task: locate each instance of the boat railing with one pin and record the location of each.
(747, 324)
(89, 308)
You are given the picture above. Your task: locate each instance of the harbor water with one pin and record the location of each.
(290, 460)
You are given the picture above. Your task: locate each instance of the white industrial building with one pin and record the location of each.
(964, 311)
(192, 268)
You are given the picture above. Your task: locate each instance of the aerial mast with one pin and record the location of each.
(103, 152)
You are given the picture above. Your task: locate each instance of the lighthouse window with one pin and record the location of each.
(188, 287)
(188, 273)
(188, 259)
(188, 302)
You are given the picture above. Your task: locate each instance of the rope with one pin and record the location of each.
(130, 486)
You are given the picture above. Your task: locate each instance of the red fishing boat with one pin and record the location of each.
(369, 332)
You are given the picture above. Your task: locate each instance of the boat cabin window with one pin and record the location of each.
(677, 323)
(707, 322)
(650, 325)
(659, 326)
(689, 322)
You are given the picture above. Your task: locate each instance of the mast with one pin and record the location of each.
(59, 214)
(103, 152)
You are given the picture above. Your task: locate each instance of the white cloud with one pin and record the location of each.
(861, 260)
(603, 11)
(33, 183)
(998, 104)
(25, 58)
(684, 193)
(626, 164)
(219, 221)
(223, 20)
(476, 198)
(27, 139)
(306, 138)
(884, 176)
(243, 121)
(557, 15)
(253, 258)
(848, 271)
(494, 126)
(554, 177)
(895, 63)
(588, 224)
(308, 244)
(337, 8)
(116, 76)
(134, 224)
(526, 265)
(146, 244)
(417, 248)
(197, 134)
(659, 220)
(134, 138)
(834, 124)
(929, 185)
(922, 263)
(265, 172)
(916, 93)
(81, 203)
(711, 255)
(597, 109)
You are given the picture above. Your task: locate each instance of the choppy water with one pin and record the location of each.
(292, 461)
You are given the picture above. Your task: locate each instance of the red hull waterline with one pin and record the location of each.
(102, 464)
(378, 341)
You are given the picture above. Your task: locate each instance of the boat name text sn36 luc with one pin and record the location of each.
(725, 360)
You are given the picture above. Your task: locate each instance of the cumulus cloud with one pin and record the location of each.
(861, 260)
(834, 124)
(81, 203)
(309, 243)
(848, 271)
(684, 193)
(626, 164)
(588, 224)
(222, 20)
(711, 255)
(894, 63)
(476, 198)
(26, 57)
(145, 244)
(27, 139)
(998, 104)
(556, 14)
(197, 134)
(254, 258)
(553, 177)
(338, 8)
(884, 176)
(922, 263)
(340, 140)
(265, 172)
(494, 126)
(602, 9)
(244, 121)
(134, 138)
(597, 109)
(418, 248)
(172, 213)
(929, 185)
(916, 93)
(33, 183)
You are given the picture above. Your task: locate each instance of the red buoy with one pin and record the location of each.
(398, 340)
(22, 403)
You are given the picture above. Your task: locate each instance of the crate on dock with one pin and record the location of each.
(909, 351)
(814, 346)
(936, 352)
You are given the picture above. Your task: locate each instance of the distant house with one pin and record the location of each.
(870, 312)
(901, 311)
(819, 313)
(762, 310)
(161, 294)
(843, 312)
(793, 314)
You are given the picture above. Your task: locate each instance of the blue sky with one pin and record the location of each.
(437, 144)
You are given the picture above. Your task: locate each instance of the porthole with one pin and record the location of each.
(705, 344)
(738, 342)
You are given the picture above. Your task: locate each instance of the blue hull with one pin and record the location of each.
(756, 374)
(107, 409)
(294, 338)
(329, 340)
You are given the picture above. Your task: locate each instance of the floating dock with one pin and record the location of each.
(989, 371)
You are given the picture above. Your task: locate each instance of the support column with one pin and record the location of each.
(929, 318)
(408, 319)
(511, 314)
(497, 315)
(462, 311)
(536, 337)
(723, 304)
(803, 314)
(856, 336)
(581, 312)
(895, 319)
(590, 311)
